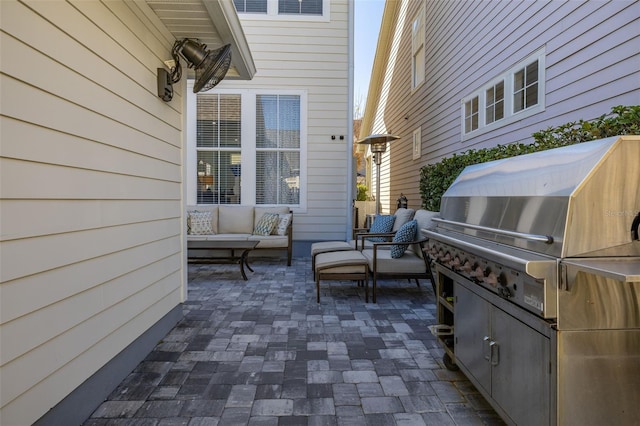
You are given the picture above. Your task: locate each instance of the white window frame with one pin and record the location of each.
(245, 1)
(417, 143)
(248, 138)
(466, 115)
(494, 103)
(217, 149)
(272, 14)
(510, 116)
(418, 49)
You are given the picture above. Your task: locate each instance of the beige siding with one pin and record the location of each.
(91, 240)
(312, 56)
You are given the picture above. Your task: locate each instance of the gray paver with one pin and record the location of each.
(314, 406)
(381, 404)
(117, 409)
(272, 407)
(241, 396)
(264, 353)
(406, 419)
(393, 386)
(365, 376)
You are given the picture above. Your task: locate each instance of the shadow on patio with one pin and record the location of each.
(263, 352)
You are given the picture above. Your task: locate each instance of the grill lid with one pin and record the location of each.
(575, 201)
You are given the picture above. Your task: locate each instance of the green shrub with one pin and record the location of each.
(436, 178)
(362, 192)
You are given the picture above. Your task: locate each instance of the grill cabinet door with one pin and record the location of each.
(505, 358)
(472, 335)
(520, 374)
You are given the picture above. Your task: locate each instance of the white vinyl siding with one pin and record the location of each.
(591, 63)
(309, 58)
(381, 122)
(90, 194)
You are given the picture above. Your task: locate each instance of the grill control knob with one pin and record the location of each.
(491, 279)
(505, 292)
(477, 272)
(502, 279)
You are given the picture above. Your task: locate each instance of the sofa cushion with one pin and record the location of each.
(266, 224)
(213, 209)
(425, 222)
(235, 219)
(270, 241)
(405, 234)
(382, 224)
(283, 223)
(424, 219)
(410, 263)
(228, 237)
(259, 211)
(402, 216)
(199, 223)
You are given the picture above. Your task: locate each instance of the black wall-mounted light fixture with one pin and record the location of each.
(210, 66)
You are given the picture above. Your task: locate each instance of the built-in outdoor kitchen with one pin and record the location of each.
(537, 265)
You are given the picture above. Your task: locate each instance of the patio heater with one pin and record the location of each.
(378, 145)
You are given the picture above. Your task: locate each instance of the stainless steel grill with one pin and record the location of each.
(538, 275)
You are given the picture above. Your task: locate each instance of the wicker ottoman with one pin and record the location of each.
(342, 265)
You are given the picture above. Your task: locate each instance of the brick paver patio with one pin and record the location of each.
(263, 352)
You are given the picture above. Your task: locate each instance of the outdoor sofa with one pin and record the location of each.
(270, 226)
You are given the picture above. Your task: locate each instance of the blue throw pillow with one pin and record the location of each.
(405, 234)
(382, 224)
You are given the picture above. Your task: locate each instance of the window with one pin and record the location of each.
(494, 109)
(471, 115)
(300, 7)
(246, 147)
(525, 87)
(417, 49)
(515, 94)
(278, 149)
(250, 6)
(218, 147)
(277, 9)
(417, 144)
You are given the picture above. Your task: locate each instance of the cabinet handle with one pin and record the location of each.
(495, 352)
(486, 351)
